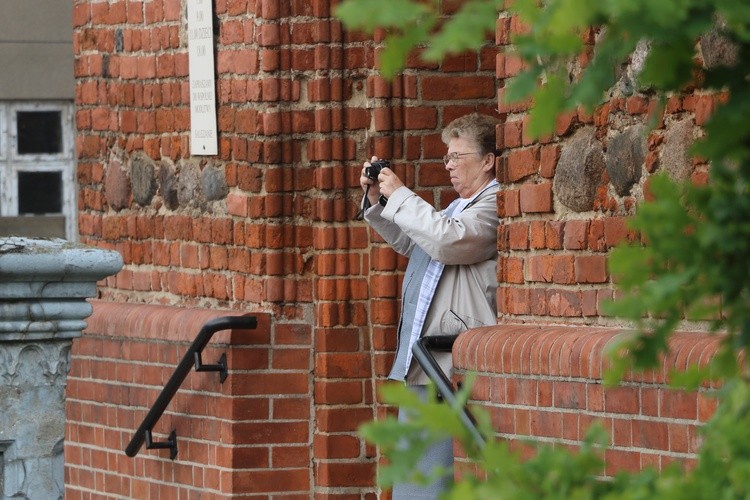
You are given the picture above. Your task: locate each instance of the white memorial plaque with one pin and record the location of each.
(203, 137)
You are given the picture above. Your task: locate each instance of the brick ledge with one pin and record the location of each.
(159, 322)
(568, 351)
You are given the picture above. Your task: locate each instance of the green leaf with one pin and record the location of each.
(548, 103)
(669, 65)
(398, 394)
(528, 10)
(397, 49)
(737, 16)
(573, 15)
(465, 30)
(618, 353)
(611, 50)
(628, 265)
(689, 379)
(367, 15)
(522, 86)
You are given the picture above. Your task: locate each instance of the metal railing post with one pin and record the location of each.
(192, 358)
(444, 386)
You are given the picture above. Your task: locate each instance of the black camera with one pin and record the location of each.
(372, 173)
(375, 167)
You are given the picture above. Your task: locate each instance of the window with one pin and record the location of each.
(37, 169)
(40, 193)
(39, 132)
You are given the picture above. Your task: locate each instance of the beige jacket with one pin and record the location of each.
(466, 243)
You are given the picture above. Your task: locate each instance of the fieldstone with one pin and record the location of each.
(718, 50)
(168, 186)
(625, 85)
(214, 183)
(142, 178)
(188, 183)
(626, 152)
(119, 40)
(579, 171)
(116, 185)
(675, 160)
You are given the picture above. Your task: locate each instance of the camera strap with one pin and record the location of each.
(364, 205)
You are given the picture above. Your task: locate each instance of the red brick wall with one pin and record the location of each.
(246, 436)
(300, 107)
(544, 383)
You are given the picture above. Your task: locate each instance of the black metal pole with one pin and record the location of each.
(444, 386)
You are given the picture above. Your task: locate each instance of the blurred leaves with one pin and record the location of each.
(412, 24)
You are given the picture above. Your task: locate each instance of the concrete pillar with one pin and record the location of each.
(44, 284)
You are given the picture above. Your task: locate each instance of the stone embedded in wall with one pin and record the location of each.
(168, 185)
(188, 183)
(142, 171)
(675, 160)
(718, 50)
(629, 82)
(579, 170)
(214, 183)
(626, 152)
(116, 184)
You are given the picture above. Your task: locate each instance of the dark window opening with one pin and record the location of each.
(39, 193)
(39, 132)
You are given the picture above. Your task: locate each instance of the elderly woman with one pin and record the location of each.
(451, 280)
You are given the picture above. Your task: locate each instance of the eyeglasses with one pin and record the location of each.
(455, 157)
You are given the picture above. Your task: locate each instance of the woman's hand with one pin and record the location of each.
(388, 182)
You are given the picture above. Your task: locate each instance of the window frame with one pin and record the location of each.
(67, 133)
(67, 188)
(3, 135)
(11, 163)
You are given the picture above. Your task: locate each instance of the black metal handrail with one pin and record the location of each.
(444, 343)
(192, 358)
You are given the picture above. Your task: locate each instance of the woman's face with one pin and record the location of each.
(468, 172)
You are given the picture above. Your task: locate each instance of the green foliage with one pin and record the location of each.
(409, 24)
(553, 472)
(556, 472)
(670, 27)
(723, 469)
(693, 267)
(464, 31)
(405, 442)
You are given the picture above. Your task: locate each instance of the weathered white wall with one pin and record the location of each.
(36, 49)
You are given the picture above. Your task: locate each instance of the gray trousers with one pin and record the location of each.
(439, 454)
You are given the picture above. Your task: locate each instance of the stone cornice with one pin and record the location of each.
(44, 284)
